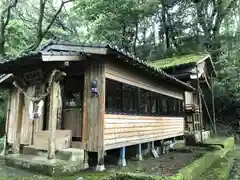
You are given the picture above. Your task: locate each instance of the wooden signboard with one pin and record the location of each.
(33, 76)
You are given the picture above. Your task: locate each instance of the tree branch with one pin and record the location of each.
(41, 33)
(4, 22)
(55, 16)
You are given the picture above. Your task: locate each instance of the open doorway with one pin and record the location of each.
(72, 116)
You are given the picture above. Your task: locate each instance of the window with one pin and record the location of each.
(129, 99)
(154, 103)
(145, 104)
(113, 96)
(163, 106)
(180, 107)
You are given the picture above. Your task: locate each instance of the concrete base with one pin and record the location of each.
(122, 162)
(42, 165)
(195, 137)
(139, 157)
(100, 168)
(86, 165)
(68, 161)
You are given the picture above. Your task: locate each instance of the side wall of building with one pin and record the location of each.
(122, 130)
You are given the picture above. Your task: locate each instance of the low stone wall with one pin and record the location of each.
(191, 171)
(200, 165)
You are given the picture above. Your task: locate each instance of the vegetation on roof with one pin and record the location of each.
(177, 60)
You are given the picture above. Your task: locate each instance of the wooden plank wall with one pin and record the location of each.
(124, 130)
(26, 131)
(93, 107)
(130, 76)
(73, 121)
(12, 116)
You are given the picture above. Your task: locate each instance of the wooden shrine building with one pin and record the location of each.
(74, 99)
(197, 70)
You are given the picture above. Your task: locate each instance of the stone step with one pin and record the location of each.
(55, 167)
(69, 154)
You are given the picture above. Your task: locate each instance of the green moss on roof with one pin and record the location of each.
(177, 60)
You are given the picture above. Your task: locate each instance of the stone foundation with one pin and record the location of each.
(193, 138)
(67, 162)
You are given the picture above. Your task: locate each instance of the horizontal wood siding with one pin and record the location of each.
(130, 76)
(125, 130)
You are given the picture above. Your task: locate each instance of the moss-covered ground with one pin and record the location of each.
(219, 168)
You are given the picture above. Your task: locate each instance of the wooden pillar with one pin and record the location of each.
(53, 119)
(94, 106)
(122, 158)
(213, 107)
(17, 123)
(86, 165)
(154, 152)
(199, 104)
(5, 150)
(100, 161)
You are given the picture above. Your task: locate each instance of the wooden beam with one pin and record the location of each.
(130, 76)
(83, 49)
(62, 58)
(205, 104)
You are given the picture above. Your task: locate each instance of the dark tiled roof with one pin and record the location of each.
(129, 59)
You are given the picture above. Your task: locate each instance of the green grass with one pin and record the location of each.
(177, 60)
(219, 170)
(84, 175)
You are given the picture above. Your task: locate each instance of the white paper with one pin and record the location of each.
(40, 107)
(30, 111)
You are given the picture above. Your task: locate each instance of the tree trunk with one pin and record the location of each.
(165, 26)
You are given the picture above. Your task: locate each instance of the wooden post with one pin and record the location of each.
(199, 104)
(122, 158)
(154, 152)
(139, 153)
(213, 106)
(86, 165)
(5, 150)
(53, 119)
(100, 161)
(94, 107)
(17, 123)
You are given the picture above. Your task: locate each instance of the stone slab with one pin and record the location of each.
(42, 165)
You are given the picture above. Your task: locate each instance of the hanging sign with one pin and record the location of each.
(33, 76)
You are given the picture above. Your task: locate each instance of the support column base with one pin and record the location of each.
(139, 157)
(86, 165)
(100, 168)
(155, 154)
(122, 162)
